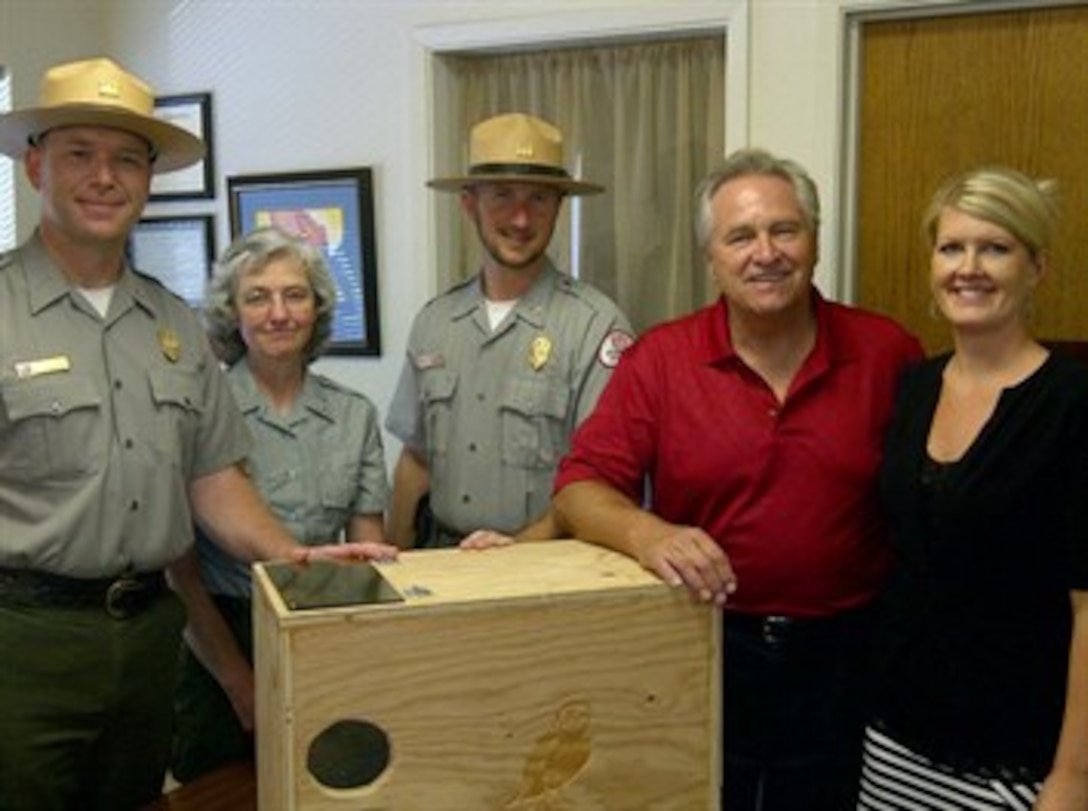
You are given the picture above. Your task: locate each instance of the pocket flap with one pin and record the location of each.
(537, 398)
(175, 388)
(52, 396)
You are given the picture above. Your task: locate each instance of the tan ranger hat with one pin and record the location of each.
(99, 93)
(516, 148)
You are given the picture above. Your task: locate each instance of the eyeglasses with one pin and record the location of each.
(292, 299)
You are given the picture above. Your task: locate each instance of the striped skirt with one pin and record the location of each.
(894, 778)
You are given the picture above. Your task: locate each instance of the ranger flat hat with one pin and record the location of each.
(516, 148)
(99, 93)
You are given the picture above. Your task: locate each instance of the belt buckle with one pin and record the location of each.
(774, 629)
(120, 602)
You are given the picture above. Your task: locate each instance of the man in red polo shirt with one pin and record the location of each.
(735, 452)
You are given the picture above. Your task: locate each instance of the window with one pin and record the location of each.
(642, 117)
(7, 174)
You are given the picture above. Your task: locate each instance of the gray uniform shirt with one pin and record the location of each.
(103, 421)
(493, 411)
(316, 467)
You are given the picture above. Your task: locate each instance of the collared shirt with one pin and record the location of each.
(788, 490)
(104, 422)
(492, 411)
(316, 467)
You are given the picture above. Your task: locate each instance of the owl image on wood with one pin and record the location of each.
(558, 756)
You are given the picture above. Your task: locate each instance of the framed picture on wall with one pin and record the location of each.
(334, 211)
(192, 112)
(178, 251)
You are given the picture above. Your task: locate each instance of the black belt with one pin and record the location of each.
(777, 629)
(444, 536)
(122, 597)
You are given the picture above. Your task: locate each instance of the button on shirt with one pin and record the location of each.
(492, 411)
(103, 421)
(316, 467)
(787, 489)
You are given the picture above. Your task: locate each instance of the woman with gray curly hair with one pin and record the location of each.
(249, 254)
(317, 460)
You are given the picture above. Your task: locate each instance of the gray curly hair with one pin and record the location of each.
(251, 252)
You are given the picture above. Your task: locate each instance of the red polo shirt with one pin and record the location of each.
(787, 490)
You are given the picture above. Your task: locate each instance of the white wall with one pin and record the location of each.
(325, 83)
(35, 34)
(310, 84)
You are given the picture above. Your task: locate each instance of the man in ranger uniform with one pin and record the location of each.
(117, 432)
(503, 367)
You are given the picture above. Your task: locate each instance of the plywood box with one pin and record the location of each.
(554, 675)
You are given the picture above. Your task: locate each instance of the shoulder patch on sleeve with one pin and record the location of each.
(613, 346)
(427, 360)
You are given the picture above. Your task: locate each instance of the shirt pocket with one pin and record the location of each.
(533, 414)
(271, 483)
(437, 388)
(53, 429)
(178, 410)
(339, 486)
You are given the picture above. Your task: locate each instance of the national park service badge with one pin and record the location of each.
(540, 350)
(170, 344)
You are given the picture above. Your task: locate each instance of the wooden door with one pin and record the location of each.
(942, 94)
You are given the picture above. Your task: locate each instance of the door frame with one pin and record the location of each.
(571, 27)
(854, 14)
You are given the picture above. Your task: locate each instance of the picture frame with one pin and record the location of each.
(192, 112)
(333, 210)
(179, 251)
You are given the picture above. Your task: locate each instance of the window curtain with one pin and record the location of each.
(644, 119)
(7, 174)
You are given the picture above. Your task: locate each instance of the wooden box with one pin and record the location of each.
(554, 675)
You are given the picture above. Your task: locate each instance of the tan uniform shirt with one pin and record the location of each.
(493, 411)
(103, 422)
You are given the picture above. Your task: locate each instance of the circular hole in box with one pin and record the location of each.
(348, 754)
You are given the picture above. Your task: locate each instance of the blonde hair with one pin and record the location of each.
(1025, 207)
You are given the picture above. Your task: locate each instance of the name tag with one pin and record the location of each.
(44, 366)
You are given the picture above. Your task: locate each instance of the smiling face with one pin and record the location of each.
(94, 182)
(515, 221)
(276, 311)
(981, 276)
(762, 249)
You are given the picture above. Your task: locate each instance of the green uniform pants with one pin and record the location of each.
(85, 706)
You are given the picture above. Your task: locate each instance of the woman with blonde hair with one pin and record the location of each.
(982, 663)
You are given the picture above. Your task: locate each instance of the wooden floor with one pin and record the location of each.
(231, 789)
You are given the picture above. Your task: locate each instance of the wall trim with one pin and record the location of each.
(571, 27)
(586, 27)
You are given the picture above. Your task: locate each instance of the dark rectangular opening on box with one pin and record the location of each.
(330, 584)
